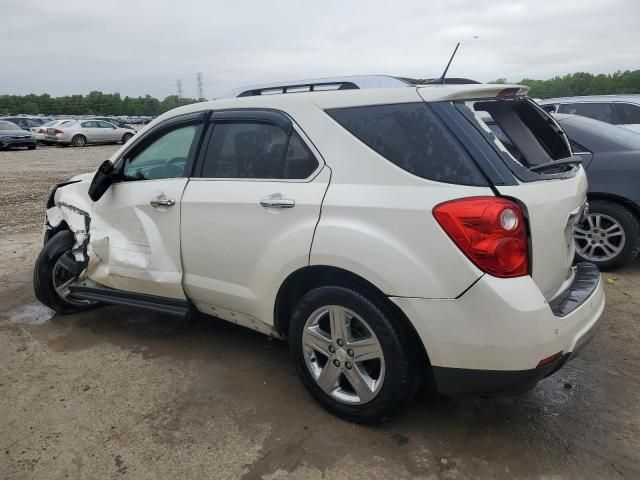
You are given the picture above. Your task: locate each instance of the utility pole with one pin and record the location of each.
(179, 85)
(199, 82)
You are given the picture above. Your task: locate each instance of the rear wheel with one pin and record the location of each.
(351, 356)
(78, 141)
(52, 275)
(609, 236)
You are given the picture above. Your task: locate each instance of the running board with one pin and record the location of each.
(169, 306)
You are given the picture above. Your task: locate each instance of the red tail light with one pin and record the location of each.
(57, 132)
(41, 131)
(490, 231)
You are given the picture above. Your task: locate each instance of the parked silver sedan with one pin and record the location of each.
(82, 132)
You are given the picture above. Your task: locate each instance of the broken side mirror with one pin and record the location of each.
(102, 180)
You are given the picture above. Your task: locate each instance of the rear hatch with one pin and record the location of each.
(547, 180)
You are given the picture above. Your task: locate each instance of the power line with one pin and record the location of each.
(179, 86)
(199, 82)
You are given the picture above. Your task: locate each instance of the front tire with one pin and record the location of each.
(51, 279)
(126, 137)
(79, 141)
(609, 237)
(353, 357)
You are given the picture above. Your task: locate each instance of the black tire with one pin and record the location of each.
(79, 141)
(32, 147)
(402, 369)
(60, 244)
(631, 227)
(126, 137)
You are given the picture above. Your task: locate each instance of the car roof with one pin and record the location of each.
(352, 97)
(633, 98)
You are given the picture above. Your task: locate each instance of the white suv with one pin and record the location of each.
(385, 232)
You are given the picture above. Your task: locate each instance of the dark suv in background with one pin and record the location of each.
(610, 235)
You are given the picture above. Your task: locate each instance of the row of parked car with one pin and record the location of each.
(21, 131)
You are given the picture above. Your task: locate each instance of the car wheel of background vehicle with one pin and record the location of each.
(609, 237)
(126, 137)
(78, 141)
(33, 147)
(359, 362)
(51, 279)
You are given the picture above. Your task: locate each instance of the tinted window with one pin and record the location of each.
(245, 150)
(598, 111)
(410, 136)
(628, 113)
(8, 126)
(299, 162)
(165, 157)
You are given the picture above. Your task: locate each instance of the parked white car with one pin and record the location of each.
(82, 132)
(385, 232)
(622, 110)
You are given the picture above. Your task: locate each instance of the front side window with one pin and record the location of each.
(628, 113)
(413, 138)
(598, 111)
(164, 157)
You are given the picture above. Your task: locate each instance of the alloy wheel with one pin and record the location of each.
(599, 238)
(62, 279)
(343, 355)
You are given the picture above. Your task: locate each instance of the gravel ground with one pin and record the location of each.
(117, 393)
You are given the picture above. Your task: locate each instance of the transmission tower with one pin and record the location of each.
(199, 82)
(179, 86)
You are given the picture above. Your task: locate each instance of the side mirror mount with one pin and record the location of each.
(102, 180)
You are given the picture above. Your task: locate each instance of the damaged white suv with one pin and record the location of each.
(385, 232)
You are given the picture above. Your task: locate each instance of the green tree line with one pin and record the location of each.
(98, 103)
(95, 103)
(582, 83)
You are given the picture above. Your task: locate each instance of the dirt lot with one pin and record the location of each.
(117, 393)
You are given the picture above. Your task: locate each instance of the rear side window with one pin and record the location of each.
(628, 113)
(413, 138)
(245, 149)
(598, 111)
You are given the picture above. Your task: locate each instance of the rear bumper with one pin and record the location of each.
(493, 338)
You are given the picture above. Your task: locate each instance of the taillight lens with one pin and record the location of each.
(57, 132)
(490, 231)
(41, 131)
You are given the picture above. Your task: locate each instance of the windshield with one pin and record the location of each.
(586, 130)
(9, 126)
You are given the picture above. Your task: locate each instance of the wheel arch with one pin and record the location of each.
(612, 197)
(301, 281)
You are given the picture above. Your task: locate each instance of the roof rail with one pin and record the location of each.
(320, 84)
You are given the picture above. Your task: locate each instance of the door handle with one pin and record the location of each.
(277, 203)
(162, 202)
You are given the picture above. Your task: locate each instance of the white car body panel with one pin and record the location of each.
(235, 252)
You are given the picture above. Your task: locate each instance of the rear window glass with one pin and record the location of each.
(413, 138)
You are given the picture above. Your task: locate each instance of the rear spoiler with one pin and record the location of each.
(470, 92)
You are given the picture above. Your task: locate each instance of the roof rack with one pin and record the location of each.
(320, 84)
(353, 82)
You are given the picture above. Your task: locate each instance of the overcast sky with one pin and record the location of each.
(143, 46)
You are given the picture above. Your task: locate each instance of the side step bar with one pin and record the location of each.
(169, 306)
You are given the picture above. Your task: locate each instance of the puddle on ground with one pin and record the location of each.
(34, 314)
